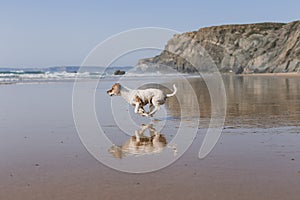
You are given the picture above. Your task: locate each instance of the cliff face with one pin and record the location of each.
(250, 48)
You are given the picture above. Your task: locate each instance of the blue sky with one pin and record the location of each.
(53, 33)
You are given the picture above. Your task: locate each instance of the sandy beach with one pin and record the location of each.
(257, 156)
(150, 100)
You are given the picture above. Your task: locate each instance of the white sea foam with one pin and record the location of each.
(28, 75)
(31, 75)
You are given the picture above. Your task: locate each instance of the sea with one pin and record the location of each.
(60, 73)
(70, 73)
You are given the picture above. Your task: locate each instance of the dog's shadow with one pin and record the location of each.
(140, 144)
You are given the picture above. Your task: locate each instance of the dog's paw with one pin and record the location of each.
(145, 114)
(141, 110)
(149, 116)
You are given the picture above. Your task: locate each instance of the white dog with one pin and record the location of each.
(140, 98)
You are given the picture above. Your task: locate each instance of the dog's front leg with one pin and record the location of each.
(142, 112)
(136, 109)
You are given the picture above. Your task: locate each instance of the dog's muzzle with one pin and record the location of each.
(109, 92)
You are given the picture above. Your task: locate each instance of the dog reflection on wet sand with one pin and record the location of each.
(139, 144)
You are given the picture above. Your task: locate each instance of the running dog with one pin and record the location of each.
(140, 98)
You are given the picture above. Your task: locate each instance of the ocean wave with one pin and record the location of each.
(27, 75)
(46, 76)
(31, 75)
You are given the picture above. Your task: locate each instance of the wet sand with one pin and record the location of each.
(41, 156)
(290, 74)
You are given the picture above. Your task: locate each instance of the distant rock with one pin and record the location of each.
(249, 48)
(119, 72)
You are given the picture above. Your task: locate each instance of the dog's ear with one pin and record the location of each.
(116, 88)
(118, 85)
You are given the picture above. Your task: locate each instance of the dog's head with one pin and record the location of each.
(115, 90)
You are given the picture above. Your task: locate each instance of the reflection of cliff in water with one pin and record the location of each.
(250, 99)
(188, 106)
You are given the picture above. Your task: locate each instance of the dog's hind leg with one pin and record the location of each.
(151, 108)
(156, 108)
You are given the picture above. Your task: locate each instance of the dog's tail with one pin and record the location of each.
(174, 92)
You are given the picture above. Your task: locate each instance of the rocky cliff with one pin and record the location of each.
(249, 48)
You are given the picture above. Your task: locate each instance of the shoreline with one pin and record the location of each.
(187, 75)
(281, 74)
